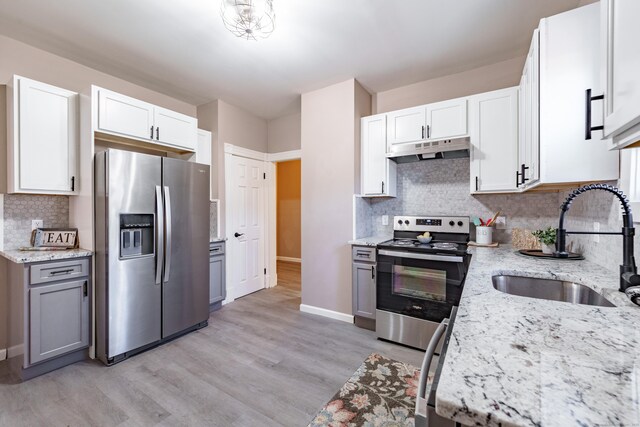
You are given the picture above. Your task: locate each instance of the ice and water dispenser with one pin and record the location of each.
(136, 235)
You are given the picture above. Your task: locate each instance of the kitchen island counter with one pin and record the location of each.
(527, 362)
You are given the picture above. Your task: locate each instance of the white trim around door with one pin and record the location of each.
(326, 313)
(272, 252)
(244, 152)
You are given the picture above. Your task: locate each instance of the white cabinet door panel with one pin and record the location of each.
(374, 161)
(176, 129)
(124, 115)
(494, 139)
(447, 119)
(47, 134)
(406, 125)
(621, 62)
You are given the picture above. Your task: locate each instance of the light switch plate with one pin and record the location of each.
(385, 219)
(36, 223)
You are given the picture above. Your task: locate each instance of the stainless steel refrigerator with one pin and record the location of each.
(152, 243)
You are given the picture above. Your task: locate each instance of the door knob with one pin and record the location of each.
(238, 234)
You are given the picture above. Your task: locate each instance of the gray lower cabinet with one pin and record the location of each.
(217, 276)
(59, 319)
(364, 286)
(49, 315)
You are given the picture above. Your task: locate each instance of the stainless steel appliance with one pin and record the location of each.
(418, 284)
(152, 241)
(425, 415)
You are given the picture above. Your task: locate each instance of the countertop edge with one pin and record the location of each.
(28, 257)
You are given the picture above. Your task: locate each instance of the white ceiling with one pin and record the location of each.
(181, 48)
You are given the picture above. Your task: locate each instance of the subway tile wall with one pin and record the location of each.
(20, 209)
(363, 215)
(441, 187)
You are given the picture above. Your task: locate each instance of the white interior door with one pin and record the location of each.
(246, 226)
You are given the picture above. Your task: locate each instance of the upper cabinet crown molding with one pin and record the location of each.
(620, 62)
(127, 117)
(42, 138)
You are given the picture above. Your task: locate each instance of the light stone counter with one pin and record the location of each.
(370, 241)
(529, 362)
(25, 257)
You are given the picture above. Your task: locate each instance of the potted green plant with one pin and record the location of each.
(547, 239)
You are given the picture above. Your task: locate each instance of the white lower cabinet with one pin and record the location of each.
(378, 173)
(128, 117)
(43, 141)
(493, 122)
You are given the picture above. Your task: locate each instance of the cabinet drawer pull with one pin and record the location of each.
(373, 272)
(56, 273)
(364, 254)
(151, 132)
(215, 250)
(428, 131)
(587, 122)
(73, 183)
(157, 132)
(422, 132)
(85, 290)
(477, 185)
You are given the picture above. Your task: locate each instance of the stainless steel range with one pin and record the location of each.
(419, 283)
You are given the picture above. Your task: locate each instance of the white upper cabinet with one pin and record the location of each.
(378, 172)
(569, 66)
(175, 128)
(129, 117)
(447, 119)
(529, 142)
(42, 138)
(620, 62)
(493, 128)
(406, 125)
(125, 115)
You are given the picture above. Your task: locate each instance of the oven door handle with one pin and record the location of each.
(421, 400)
(413, 255)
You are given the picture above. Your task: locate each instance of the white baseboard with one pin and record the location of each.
(289, 259)
(3, 353)
(16, 350)
(326, 313)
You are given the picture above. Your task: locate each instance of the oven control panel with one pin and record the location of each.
(443, 224)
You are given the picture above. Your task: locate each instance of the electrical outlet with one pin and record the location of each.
(36, 223)
(385, 219)
(596, 228)
(501, 222)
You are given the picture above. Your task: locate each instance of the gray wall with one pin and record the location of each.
(328, 159)
(441, 187)
(284, 133)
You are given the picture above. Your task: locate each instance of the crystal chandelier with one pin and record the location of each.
(249, 19)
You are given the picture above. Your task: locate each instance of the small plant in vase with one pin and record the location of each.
(547, 239)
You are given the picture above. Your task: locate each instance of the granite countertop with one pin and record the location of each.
(529, 362)
(217, 239)
(369, 241)
(24, 257)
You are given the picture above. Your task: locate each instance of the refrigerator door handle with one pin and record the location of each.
(159, 235)
(167, 218)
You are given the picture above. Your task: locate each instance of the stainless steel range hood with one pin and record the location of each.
(428, 150)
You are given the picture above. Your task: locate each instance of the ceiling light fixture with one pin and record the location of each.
(249, 19)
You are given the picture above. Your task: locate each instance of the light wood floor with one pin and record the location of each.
(260, 362)
(289, 275)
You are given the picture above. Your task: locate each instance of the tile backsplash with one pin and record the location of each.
(603, 207)
(213, 220)
(20, 209)
(441, 187)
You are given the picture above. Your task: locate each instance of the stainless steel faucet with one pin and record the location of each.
(629, 279)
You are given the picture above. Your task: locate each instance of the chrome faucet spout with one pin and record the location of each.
(628, 269)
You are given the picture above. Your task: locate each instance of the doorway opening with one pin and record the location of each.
(288, 228)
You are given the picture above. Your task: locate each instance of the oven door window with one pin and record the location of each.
(421, 283)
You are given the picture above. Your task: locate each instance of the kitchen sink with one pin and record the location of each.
(554, 290)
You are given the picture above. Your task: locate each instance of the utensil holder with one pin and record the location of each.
(484, 235)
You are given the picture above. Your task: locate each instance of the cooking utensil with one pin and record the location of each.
(493, 220)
